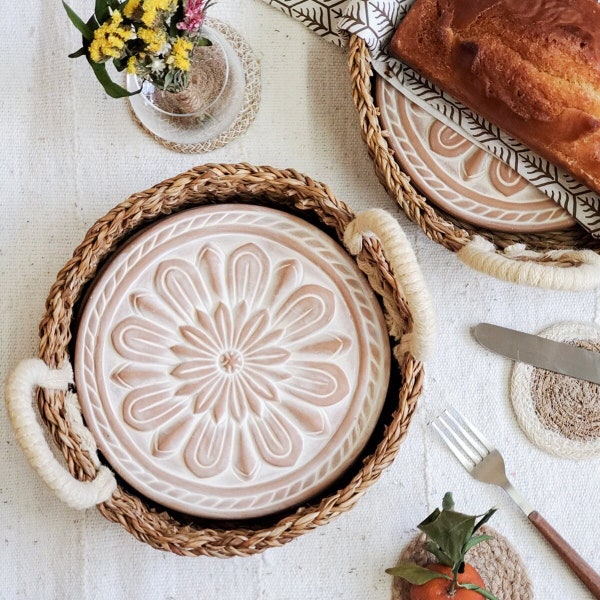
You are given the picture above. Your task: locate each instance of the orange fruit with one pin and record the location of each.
(437, 589)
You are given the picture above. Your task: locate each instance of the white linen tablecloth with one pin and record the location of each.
(69, 153)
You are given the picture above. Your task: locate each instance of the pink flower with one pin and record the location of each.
(193, 16)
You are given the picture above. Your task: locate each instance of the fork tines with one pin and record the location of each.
(467, 443)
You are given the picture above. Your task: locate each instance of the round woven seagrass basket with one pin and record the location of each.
(210, 184)
(562, 259)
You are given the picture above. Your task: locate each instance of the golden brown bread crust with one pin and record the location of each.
(532, 67)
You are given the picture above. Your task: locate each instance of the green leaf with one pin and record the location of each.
(415, 574)
(485, 518)
(431, 518)
(110, 87)
(120, 64)
(82, 27)
(480, 590)
(442, 557)
(477, 539)
(451, 531)
(202, 41)
(448, 501)
(101, 10)
(80, 52)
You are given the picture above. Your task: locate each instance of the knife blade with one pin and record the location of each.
(559, 357)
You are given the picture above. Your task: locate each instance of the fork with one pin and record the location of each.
(479, 457)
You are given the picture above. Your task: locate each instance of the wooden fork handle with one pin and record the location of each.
(588, 576)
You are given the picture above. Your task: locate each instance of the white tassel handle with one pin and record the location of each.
(20, 395)
(572, 270)
(403, 262)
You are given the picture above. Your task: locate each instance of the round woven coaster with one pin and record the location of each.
(496, 560)
(558, 413)
(251, 97)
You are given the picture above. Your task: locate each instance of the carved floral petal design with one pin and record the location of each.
(141, 340)
(178, 284)
(143, 303)
(268, 356)
(247, 275)
(309, 418)
(232, 360)
(168, 440)
(257, 333)
(259, 389)
(134, 375)
(506, 180)
(211, 270)
(208, 451)
(475, 164)
(246, 462)
(150, 407)
(329, 346)
(321, 384)
(235, 318)
(277, 440)
(447, 142)
(307, 310)
(286, 277)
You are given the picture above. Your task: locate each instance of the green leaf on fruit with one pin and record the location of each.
(476, 540)
(415, 574)
(442, 557)
(479, 590)
(448, 501)
(450, 530)
(484, 519)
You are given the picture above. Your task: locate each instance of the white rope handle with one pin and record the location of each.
(541, 269)
(20, 394)
(399, 253)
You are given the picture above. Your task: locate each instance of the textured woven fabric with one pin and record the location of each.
(69, 154)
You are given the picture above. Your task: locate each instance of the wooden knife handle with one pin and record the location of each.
(588, 576)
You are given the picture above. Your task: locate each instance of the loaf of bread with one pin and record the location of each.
(532, 67)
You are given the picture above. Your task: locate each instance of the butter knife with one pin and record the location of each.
(559, 357)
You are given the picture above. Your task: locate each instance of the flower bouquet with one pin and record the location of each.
(185, 80)
(153, 39)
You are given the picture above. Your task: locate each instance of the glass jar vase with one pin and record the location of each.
(203, 110)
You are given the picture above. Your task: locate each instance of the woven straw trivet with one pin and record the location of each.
(558, 413)
(210, 184)
(557, 260)
(496, 560)
(251, 97)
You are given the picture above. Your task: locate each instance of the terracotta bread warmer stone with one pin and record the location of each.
(376, 245)
(231, 361)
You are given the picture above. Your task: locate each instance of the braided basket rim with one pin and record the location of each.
(451, 232)
(209, 184)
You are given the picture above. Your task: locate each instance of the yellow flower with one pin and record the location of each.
(155, 40)
(153, 7)
(131, 64)
(109, 39)
(180, 54)
(131, 7)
